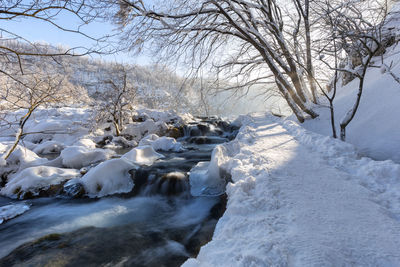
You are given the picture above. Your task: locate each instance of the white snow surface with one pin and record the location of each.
(161, 143)
(81, 156)
(35, 178)
(8, 212)
(48, 147)
(162, 115)
(302, 199)
(109, 177)
(142, 155)
(21, 156)
(139, 130)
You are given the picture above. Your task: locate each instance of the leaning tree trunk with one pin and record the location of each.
(20, 133)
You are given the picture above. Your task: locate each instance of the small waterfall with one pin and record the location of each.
(170, 184)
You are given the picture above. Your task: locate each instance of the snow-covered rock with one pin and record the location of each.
(164, 116)
(8, 212)
(34, 179)
(143, 155)
(86, 142)
(48, 147)
(138, 130)
(161, 143)
(21, 157)
(109, 177)
(210, 178)
(81, 156)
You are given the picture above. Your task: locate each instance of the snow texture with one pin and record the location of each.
(48, 147)
(81, 156)
(109, 177)
(302, 199)
(143, 155)
(21, 156)
(161, 143)
(139, 130)
(34, 179)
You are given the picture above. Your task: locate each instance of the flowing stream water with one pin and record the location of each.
(158, 224)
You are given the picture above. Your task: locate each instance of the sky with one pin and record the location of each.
(39, 31)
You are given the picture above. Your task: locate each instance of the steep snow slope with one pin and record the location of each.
(375, 130)
(302, 199)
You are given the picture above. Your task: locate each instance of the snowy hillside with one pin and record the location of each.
(157, 86)
(375, 130)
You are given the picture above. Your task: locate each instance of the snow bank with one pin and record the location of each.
(138, 130)
(11, 211)
(81, 156)
(109, 177)
(34, 179)
(143, 155)
(21, 157)
(373, 130)
(161, 143)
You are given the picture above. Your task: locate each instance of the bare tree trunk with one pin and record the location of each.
(334, 135)
(352, 112)
(20, 133)
(310, 68)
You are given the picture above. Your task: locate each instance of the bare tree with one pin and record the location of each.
(16, 48)
(251, 39)
(24, 84)
(356, 29)
(29, 91)
(115, 100)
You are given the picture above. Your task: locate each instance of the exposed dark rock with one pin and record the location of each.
(175, 132)
(105, 140)
(74, 190)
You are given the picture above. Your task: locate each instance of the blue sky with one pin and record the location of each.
(35, 31)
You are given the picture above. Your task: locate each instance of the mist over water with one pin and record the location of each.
(230, 104)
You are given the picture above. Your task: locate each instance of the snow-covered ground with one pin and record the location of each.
(375, 130)
(303, 199)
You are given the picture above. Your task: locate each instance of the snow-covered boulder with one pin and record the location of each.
(210, 178)
(54, 129)
(81, 156)
(34, 179)
(86, 142)
(143, 155)
(165, 116)
(138, 130)
(109, 177)
(48, 147)
(21, 157)
(161, 143)
(11, 211)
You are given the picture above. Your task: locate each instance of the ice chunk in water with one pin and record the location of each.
(13, 210)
